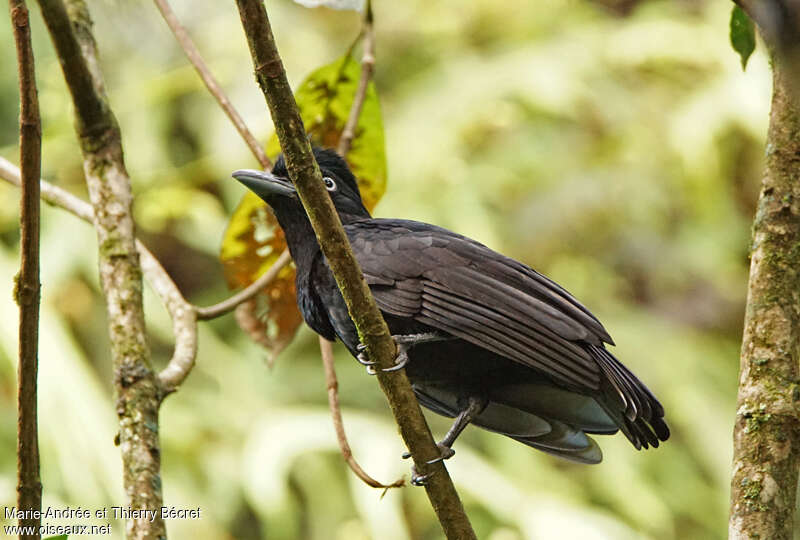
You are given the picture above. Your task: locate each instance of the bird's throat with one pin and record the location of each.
(300, 238)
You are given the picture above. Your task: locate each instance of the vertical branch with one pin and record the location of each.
(361, 306)
(138, 393)
(29, 485)
(767, 429)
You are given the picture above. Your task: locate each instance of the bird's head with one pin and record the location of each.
(276, 188)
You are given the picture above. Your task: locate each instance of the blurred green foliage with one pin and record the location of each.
(615, 146)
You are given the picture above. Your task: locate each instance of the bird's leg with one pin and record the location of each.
(404, 343)
(475, 406)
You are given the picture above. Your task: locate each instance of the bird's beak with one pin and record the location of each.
(264, 183)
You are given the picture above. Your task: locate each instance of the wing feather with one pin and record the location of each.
(483, 289)
(484, 332)
(461, 287)
(530, 327)
(524, 338)
(428, 274)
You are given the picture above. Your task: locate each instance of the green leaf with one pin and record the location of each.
(59, 537)
(325, 98)
(253, 240)
(743, 34)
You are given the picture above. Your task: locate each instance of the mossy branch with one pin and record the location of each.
(372, 329)
(138, 394)
(767, 429)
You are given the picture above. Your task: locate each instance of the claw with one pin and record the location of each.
(446, 451)
(419, 479)
(403, 343)
(400, 361)
(362, 359)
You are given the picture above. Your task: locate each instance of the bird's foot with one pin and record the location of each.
(419, 479)
(400, 360)
(361, 357)
(403, 344)
(445, 452)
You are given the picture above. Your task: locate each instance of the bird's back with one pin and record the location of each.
(519, 339)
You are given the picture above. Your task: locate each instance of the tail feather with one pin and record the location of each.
(566, 444)
(636, 410)
(557, 420)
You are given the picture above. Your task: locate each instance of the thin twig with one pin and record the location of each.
(184, 322)
(367, 68)
(29, 485)
(361, 306)
(332, 384)
(217, 310)
(51, 194)
(181, 312)
(194, 57)
(210, 81)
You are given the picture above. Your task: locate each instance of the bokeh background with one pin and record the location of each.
(614, 145)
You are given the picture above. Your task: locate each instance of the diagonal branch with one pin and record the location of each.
(27, 290)
(194, 57)
(217, 310)
(361, 306)
(181, 312)
(179, 365)
(367, 68)
(211, 82)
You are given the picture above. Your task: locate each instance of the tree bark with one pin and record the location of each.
(372, 329)
(27, 291)
(767, 429)
(138, 394)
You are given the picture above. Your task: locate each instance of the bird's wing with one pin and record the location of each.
(461, 287)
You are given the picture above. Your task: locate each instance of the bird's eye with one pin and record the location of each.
(330, 185)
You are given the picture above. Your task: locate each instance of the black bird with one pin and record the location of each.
(483, 338)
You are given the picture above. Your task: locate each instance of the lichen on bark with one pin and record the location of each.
(138, 393)
(767, 429)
